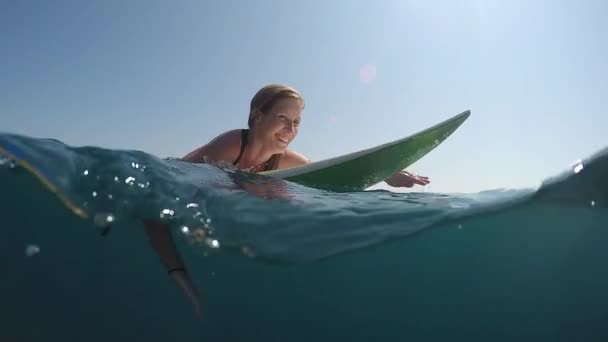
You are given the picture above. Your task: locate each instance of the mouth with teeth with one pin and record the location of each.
(282, 140)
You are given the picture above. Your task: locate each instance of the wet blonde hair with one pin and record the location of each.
(268, 96)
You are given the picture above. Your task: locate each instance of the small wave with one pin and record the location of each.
(217, 207)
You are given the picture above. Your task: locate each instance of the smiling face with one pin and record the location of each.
(280, 124)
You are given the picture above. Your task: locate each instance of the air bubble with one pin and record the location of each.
(104, 220)
(213, 243)
(247, 252)
(167, 213)
(31, 250)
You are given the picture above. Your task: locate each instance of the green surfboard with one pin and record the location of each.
(360, 170)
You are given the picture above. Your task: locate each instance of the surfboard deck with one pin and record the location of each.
(359, 170)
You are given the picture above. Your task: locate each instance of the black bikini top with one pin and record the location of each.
(270, 164)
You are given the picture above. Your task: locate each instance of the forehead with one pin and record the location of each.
(289, 105)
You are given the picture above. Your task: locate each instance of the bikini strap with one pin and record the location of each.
(244, 140)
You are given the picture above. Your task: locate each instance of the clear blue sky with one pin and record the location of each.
(166, 76)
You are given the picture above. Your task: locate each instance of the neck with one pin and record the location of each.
(255, 153)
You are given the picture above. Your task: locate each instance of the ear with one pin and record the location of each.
(257, 116)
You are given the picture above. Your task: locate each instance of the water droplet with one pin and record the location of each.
(177, 199)
(116, 179)
(593, 203)
(192, 205)
(94, 194)
(129, 180)
(185, 230)
(134, 165)
(578, 167)
(86, 172)
(31, 250)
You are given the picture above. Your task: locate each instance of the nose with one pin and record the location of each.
(290, 127)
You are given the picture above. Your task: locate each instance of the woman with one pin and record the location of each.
(274, 119)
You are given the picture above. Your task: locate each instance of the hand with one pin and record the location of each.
(406, 179)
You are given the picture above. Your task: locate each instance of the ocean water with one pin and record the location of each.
(268, 260)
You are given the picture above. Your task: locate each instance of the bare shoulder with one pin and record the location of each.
(224, 147)
(292, 158)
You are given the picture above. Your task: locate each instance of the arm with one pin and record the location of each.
(291, 159)
(225, 148)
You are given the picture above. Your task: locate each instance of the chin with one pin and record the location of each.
(282, 146)
(281, 149)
